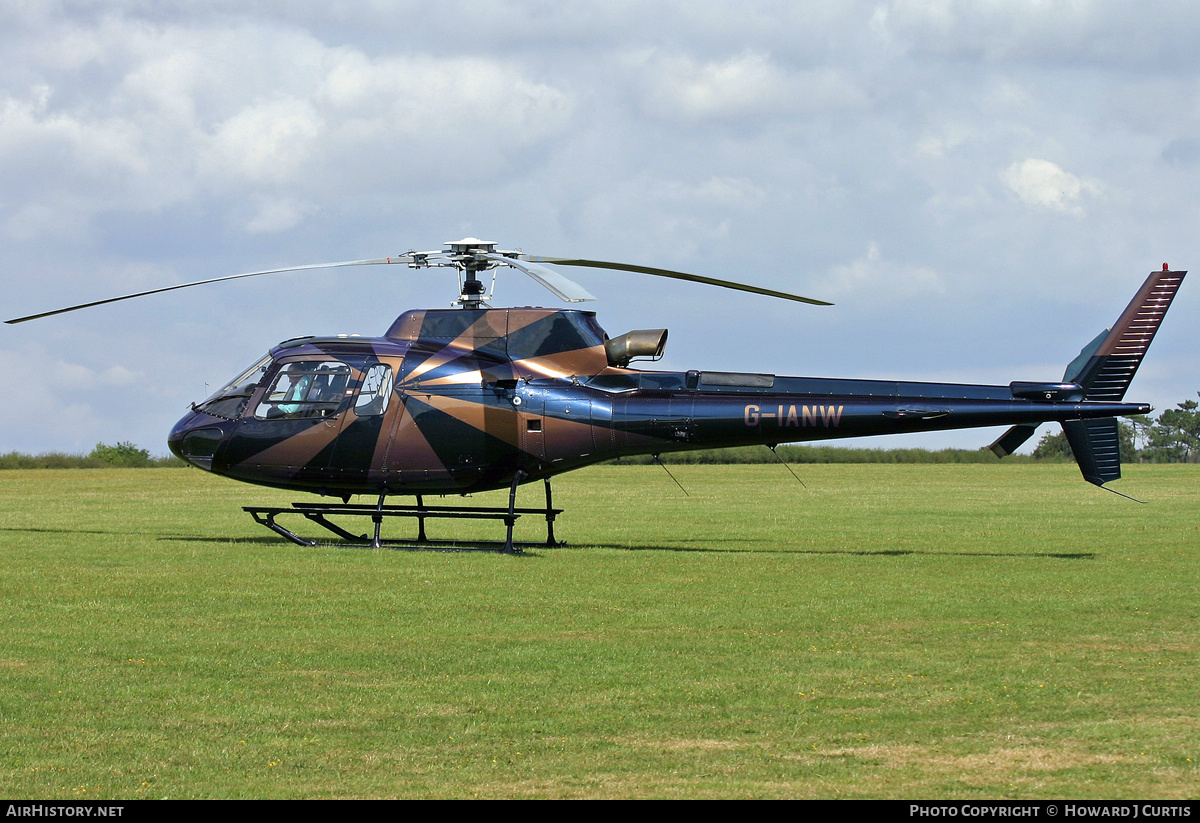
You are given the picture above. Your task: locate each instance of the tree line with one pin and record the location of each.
(123, 455)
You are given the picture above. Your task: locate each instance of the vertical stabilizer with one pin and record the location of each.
(1105, 368)
(1106, 371)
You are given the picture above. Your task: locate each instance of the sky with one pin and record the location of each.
(980, 187)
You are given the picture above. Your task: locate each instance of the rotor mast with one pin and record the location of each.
(469, 256)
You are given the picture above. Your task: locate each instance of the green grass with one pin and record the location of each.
(964, 631)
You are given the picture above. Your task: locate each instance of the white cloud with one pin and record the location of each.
(143, 117)
(264, 143)
(412, 121)
(1045, 32)
(66, 376)
(278, 215)
(419, 93)
(1044, 184)
(876, 281)
(674, 218)
(750, 84)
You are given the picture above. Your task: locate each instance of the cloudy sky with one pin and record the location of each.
(979, 186)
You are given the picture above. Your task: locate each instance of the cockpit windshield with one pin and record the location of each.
(229, 400)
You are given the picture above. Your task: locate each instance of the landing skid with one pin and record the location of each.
(320, 513)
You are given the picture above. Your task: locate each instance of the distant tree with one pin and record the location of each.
(1175, 436)
(123, 454)
(1127, 435)
(1142, 426)
(1053, 445)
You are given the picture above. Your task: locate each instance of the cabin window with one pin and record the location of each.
(376, 391)
(309, 388)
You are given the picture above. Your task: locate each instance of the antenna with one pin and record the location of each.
(668, 471)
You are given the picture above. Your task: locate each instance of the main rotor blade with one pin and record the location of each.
(563, 287)
(373, 262)
(677, 275)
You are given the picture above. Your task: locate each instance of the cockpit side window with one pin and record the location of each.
(376, 391)
(309, 388)
(229, 400)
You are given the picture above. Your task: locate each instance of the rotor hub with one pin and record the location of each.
(470, 245)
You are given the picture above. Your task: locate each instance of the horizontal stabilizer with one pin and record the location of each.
(1097, 448)
(1012, 439)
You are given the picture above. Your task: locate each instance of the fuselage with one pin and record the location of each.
(457, 401)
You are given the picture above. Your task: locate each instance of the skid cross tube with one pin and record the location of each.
(320, 513)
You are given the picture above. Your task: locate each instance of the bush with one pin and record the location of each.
(126, 455)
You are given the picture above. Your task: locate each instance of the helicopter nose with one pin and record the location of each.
(196, 438)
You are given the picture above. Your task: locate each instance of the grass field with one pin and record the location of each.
(949, 631)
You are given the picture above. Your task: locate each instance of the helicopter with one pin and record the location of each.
(475, 398)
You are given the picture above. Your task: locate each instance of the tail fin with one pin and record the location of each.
(1105, 368)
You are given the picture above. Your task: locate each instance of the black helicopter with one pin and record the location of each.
(454, 401)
